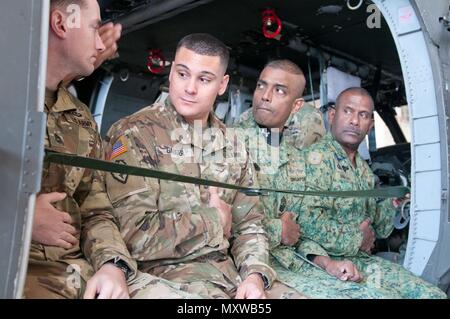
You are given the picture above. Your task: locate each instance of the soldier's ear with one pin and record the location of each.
(58, 23)
(331, 114)
(172, 67)
(224, 84)
(298, 104)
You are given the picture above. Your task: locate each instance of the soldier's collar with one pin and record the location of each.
(246, 119)
(197, 138)
(50, 98)
(289, 121)
(341, 155)
(64, 101)
(272, 135)
(171, 109)
(212, 119)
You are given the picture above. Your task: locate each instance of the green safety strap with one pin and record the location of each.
(101, 165)
(305, 259)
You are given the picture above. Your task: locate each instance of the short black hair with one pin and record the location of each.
(290, 67)
(206, 44)
(356, 91)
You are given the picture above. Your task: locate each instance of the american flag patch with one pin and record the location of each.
(119, 147)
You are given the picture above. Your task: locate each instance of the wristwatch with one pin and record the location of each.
(264, 279)
(119, 263)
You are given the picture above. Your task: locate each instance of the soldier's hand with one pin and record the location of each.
(290, 230)
(368, 236)
(251, 288)
(108, 283)
(109, 33)
(50, 226)
(223, 208)
(343, 270)
(397, 202)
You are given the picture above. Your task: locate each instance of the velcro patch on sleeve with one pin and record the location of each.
(315, 158)
(119, 186)
(119, 148)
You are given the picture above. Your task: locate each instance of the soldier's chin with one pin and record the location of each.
(88, 70)
(262, 120)
(352, 139)
(181, 109)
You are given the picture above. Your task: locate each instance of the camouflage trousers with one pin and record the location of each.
(214, 280)
(146, 286)
(318, 284)
(64, 280)
(56, 280)
(394, 279)
(381, 279)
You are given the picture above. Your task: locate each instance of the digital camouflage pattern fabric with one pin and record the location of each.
(333, 223)
(304, 128)
(269, 155)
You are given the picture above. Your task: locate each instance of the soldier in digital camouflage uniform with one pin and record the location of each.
(278, 107)
(184, 232)
(73, 213)
(302, 128)
(346, 228)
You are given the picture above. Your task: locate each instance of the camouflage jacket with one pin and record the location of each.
(166, 222)
(71, 129)
(334, 222)
(269, 160)
(304, 128)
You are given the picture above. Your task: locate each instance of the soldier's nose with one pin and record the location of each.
(191, 88)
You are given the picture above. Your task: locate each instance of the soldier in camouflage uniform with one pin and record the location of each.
(184, 232)
(346, 228)
(278, 93)
(303, 127)
(73, 212)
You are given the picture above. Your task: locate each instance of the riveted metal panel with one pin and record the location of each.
(426, 196)
(429, 225)
(426, 131)
(417, 260)
(23, 40)
(421, 83)
(427, 157)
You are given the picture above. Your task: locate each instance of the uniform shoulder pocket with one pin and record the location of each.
(123, 150)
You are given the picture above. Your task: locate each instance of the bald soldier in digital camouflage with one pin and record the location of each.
(346, 228)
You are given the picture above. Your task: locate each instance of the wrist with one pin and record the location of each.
(121, 265)
(396, 202)
(322, 261)
(260, 278)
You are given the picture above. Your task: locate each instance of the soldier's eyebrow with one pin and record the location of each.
(278, 85)
(181, 65)
(348, 106)
(208, 73)
(282, 86)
